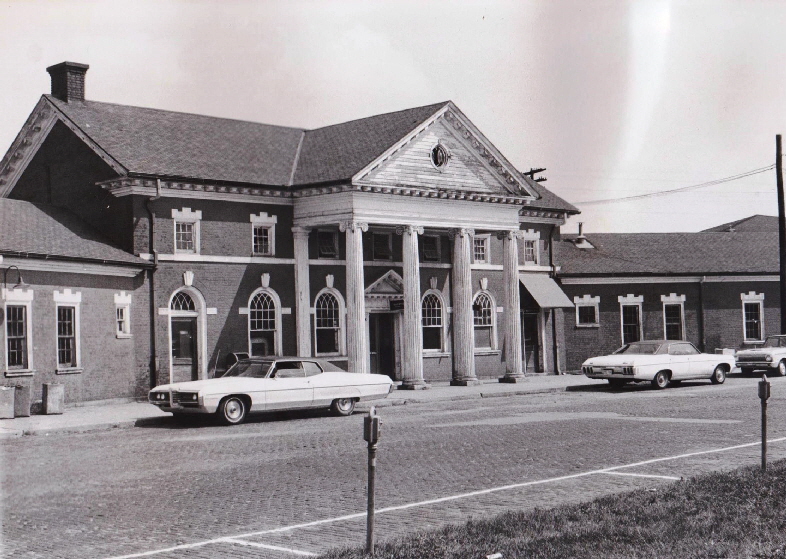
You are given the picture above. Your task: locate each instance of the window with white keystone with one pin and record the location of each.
(264, 322)
(673, 316)
(68, 335)
(587, 311)
(630, 318)
(484, 319)
(18, 305)
(753, 316)
(187, 230)
(263, 234)
(433, 321)
(329, 323)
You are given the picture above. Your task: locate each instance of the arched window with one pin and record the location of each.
(182, 301)
(433, 322)
(263, 324)
(484, 320)
(328, 323)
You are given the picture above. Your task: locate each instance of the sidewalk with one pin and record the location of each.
(99, 417)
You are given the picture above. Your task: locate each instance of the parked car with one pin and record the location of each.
(271, 384)
(770, 357)
(661, 362)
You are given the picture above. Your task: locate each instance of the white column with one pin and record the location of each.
(463, 328)
(302, 292)
(513, 360)
(412, 335)
(357, 341)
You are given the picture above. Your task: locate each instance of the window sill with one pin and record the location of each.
(587, 325)
(122, 336)
(19, 373)
(69, 371)
(427, 354)
(488, 352)
(261, 254)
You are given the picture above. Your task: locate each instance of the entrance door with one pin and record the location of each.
(184, 349)
(529, 337)
(382, 343)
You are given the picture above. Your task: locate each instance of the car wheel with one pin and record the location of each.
(781, 371)
(343, 406)
(661, 380)
(232, 410)
(719, 375)
(746, 370)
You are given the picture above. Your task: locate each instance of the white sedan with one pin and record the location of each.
(661, 362)
(271, 384)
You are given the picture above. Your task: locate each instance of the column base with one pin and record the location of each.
(513, 379)
(413, 385)
(464, 382)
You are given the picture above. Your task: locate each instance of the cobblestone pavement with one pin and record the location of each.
(289, 484)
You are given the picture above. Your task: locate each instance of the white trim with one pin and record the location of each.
(123, 301)
(200, 313)
(212, 259)
(753, 298)
(674, 299)
(192, 194)
(486, 238)
(18, 298)
(493, 336)
(342, 321)
(264, 221)
(664, 279)
(587, 301)
(68, 299)
(186, 215)
(631, 300)
(277, 350)
(50, 265)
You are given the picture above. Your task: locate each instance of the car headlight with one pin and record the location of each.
(189, 396)
(769, 358)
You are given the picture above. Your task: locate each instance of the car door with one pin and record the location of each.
(701, 364)
(679, 361)
(289, 388)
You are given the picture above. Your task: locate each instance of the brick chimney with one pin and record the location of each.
(68, 81)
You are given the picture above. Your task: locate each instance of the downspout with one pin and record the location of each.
(555, 345)
(702, 341)
(151, 280)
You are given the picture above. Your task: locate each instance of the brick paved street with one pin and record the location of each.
(125, 492)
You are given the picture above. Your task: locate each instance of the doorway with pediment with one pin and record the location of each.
(384, 306)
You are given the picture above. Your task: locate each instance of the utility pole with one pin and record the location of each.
(532, 172)
(781, 230)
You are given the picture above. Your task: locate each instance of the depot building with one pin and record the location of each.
(404, 244)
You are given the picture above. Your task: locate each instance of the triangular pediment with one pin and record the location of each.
(473, 163)
(390, 284)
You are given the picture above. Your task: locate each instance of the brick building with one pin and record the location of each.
(403, 243)
(718, 288)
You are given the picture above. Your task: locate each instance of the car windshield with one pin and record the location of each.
(775, 341)
(253, 369)
(639, 348)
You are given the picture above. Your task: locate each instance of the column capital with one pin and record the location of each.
(353, 226)
(301, 231)
(510, 234)
(453, 233)
(411, 229)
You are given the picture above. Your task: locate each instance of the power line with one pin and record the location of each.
(681, 189)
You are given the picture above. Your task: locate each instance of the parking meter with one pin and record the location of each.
(371, 427)
(764, 388)
(764, 395)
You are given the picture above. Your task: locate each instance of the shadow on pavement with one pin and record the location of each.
(195, 421)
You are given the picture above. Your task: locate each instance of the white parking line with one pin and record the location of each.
(611, 469)
(271, 547)
(641, 475)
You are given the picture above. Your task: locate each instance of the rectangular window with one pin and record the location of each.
(123, 322)
(530, 252)
(66, 337)
(752, 318)
(262, 240)
(429, 248)
(672, 316)
(327, 242)
(16, 334)
(587, 315)
(480, 249)
(631, 323)
(381, 246)
(185, 237)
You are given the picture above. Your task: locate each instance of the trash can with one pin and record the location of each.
(53, 397)
(22, 400)
(7, 402)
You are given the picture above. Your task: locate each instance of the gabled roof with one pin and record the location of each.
(547, 199)
(755, 223)
(669, 253)
(46, 231)
(166, 143)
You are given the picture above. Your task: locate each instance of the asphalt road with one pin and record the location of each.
(292, 485)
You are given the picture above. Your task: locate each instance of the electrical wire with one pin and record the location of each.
(681, 189)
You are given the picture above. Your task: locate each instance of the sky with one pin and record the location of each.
(614, 98)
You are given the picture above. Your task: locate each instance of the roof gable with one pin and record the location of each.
(754, 223)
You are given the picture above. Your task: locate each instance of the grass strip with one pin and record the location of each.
(736, 514)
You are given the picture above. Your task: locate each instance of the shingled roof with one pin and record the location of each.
(755, 223)
(45, 231)
(669, 254)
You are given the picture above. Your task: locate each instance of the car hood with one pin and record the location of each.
(761, 350)
(207, 385)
